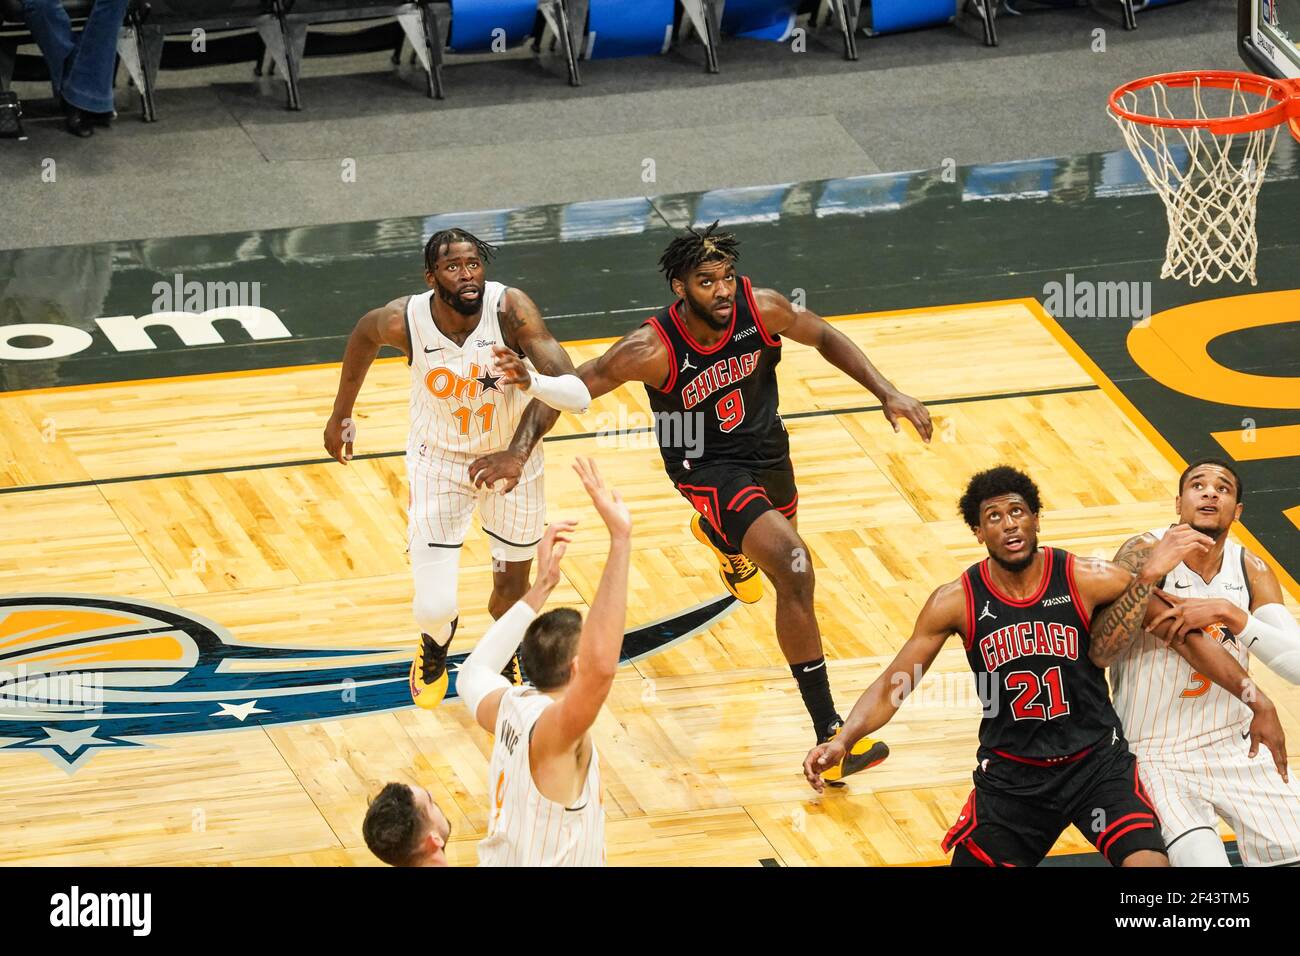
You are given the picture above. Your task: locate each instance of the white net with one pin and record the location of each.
(1209, 182)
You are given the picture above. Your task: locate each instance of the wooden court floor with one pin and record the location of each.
(701, 744)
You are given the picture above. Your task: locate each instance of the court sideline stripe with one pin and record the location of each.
(231, 469)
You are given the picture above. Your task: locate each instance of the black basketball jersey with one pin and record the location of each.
(718, 404)
(1044, 699)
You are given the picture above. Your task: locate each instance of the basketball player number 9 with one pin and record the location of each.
(731, 410)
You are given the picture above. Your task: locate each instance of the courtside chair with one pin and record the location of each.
(616, 28)
(878, 17)
(760, 19)
(435, 26)
(704, 17)
(152, 21)
(564, 21)
(1127, 7)
(423, 23)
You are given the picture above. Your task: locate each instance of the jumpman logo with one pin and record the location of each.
(986, 613)
(686, 364)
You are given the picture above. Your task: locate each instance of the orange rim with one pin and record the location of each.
(1285, 93)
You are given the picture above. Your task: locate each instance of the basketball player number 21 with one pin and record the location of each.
(463, 415)
(731, 410)
(1027, 682)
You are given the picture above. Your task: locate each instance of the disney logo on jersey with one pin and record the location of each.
(719, 375)
(442, 382)
(1029, 638)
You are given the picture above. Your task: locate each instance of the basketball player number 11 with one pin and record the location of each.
(464, 415)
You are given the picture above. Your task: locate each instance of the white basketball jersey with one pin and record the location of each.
(525, 828)
(1164, 705)
(457, 408)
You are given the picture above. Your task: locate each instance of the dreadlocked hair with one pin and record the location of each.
(440, 241)
(690, 250)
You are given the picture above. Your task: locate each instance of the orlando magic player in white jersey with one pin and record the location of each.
(546, 807)
(475, 431)
(1190, 712)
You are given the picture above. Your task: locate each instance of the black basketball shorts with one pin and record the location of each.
(1018, 810)
(732, 496)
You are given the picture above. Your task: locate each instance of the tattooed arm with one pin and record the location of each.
(1120, 622)
(1146, 560)
(524, 330)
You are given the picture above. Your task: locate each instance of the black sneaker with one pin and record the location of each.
(864, 754)
(429, 671)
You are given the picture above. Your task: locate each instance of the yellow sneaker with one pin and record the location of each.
(429, 671)
(863, 755)
(738, 573)
(511, 672)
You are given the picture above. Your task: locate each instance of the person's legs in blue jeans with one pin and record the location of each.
(81, 69)
(89, 84)
(52, 30)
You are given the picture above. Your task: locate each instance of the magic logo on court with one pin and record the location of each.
(81, 674)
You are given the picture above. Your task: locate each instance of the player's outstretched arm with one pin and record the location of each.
(554, 382)
(385, 325)
(944, 614)
(1210, 661)
(479, 683)
(523, 328)
(1117, 595)
(562, 728)
(639, 356)
(1267, 630)
(780, 317)
(1270, 632)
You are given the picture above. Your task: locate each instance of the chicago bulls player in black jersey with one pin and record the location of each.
(1051, 750)
(708, 363)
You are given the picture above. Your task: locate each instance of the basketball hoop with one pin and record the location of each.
(1204, 139)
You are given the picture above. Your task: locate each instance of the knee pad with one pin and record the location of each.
(1199, 847)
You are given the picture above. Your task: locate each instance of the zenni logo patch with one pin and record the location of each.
(80, 674)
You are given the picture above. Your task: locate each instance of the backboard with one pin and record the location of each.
(1268, 36)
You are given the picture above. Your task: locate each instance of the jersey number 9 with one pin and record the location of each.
(731, 410)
